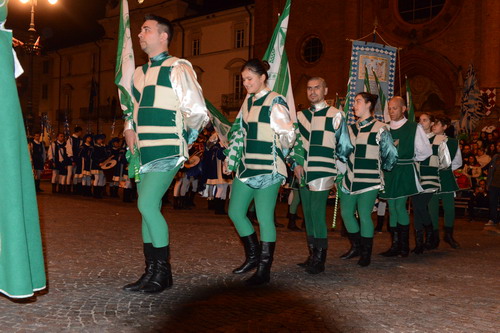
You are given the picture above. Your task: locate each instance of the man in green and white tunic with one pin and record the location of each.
(403, 180)
(323, 138)
(169, 111)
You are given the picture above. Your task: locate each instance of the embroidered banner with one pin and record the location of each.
(372, 57)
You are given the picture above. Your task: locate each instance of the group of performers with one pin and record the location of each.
(79, 163)
(365, 160)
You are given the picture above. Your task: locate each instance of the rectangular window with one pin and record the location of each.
(196, 47)
(45, 91)
(238, 89)
(239, 38)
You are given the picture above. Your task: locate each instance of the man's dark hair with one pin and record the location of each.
(444, 120)
(78, 129)
(164, 24)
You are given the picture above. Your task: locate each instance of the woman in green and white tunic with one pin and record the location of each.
(447, 185)
(259, 141)
(429, 180)
(374, 151)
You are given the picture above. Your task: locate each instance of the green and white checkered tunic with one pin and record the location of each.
(317, 130)
(429, 178)
(447, 180)
(364, 168)
(158, 121)
(262, 152)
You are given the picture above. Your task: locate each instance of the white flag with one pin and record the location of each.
(279, 73)
(125, 63)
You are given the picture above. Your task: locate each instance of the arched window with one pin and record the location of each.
(419, 11)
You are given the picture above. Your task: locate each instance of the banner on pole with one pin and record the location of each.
(371, 57)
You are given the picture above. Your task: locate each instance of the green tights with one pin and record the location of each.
(265, 203)
(398, 212)
(448, 209)
(314, 207)
(363, 203)
(150, 190)
(295, 202)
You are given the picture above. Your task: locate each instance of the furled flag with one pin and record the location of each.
(367, 81)
(382, 99)
(221, 124)
(125, 63)
(472, 108)
(279, 73)
(409, 101)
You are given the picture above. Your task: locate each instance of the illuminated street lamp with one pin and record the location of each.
(32, 47)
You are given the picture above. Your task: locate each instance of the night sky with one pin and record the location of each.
(71, 22)
(66, 23)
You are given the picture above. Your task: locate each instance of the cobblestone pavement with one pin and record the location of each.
(93, 248)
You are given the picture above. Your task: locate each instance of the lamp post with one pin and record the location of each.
(32, 47)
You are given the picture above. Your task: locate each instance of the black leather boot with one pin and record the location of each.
(127, 195)
(220, 207)
(365, 252)
(263, 273)
(148, 255)
(404, 240)
(380, 223)
(310, 246)
(419, 242)
(354, 251)
(37, 185)
(292, 218)
(113, 191)
(318, 261)
(98, 192)
(435, 238)
(394, 250)
(162, 272)
(448, 238)
(428, 237)
(252, 252)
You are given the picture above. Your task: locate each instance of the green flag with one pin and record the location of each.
(367, 81)
(22, 270)
(125, 63)
(383, 100)
(279, 72)
(409, 101)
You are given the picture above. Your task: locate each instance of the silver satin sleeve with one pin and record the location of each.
(444, 156)
(423, 147)
(190, 94)
(457, 161)
(282, 124)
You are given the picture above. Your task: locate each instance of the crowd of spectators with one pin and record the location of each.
(478, 150)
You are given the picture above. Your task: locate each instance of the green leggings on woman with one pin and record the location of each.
(295, 202)
(265, 203)
(314, 207)
(150, 190)
(363, 203)
(448, 209)
(398, 212)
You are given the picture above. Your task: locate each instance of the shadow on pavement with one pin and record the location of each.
(236, 308)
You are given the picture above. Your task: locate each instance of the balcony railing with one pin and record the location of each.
(232, 102)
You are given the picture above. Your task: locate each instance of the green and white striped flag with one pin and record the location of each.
(383, 100)
(279, 73)
(221, 124)
(125, 63)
